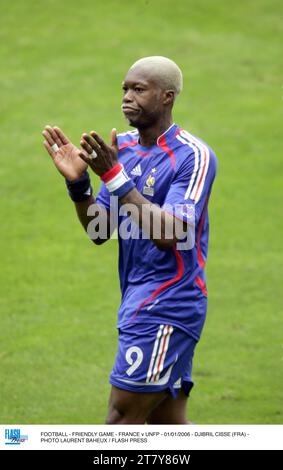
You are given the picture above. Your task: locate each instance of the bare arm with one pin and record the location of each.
(82, 209)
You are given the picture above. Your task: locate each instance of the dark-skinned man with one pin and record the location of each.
(161, 178)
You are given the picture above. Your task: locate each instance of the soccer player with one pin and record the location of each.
(162, 174)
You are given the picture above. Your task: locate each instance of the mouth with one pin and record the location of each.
(129, 109)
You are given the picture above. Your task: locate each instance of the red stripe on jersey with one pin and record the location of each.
(202, 174)
(178, 130)
(161, 142)
(201, 284)
(199, 253)
(198, 279)
(143, 154)
(165, 285)
(128, 144)
(199, 146)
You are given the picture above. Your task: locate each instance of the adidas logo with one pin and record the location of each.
(136, 171)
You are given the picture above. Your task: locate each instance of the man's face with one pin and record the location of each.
(143, 100)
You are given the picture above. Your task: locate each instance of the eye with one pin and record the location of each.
(124, 88)
(138, 89)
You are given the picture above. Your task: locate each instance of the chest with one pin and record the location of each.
(151, 175)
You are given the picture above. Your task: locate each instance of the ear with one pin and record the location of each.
(169, 97)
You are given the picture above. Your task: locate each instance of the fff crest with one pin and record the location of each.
(148, 189)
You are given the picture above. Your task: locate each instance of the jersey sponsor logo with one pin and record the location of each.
(136, 171)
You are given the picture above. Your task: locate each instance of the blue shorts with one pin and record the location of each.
(152, 358)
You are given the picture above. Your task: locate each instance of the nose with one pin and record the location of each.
(128, 98)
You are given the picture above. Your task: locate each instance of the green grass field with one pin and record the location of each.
(62, 63)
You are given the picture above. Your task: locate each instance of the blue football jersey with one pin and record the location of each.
(166, 286)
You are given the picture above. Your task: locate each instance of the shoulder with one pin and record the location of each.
(194, 151)
(128, 138)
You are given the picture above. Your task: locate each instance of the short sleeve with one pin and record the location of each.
(192, 185)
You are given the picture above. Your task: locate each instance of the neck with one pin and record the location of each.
(149, 135)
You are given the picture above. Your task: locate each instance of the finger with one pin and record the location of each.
(114, 139)
(54, 136)
(48, 137)
(99, 140)
(86, 146)
(64, 139)
(91, 141)
(85, 157)
(49, 149)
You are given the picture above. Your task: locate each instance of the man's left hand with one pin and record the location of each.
(106, 155)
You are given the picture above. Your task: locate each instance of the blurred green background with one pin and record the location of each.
(62, 63)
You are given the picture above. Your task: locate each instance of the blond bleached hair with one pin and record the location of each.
(163, 71)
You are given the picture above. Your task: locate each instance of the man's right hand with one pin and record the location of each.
(66, 158)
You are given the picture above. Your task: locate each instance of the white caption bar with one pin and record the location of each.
(102, 437)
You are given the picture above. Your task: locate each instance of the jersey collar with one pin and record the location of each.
(167, 137)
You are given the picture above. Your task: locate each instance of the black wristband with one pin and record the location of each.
(80, 189)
